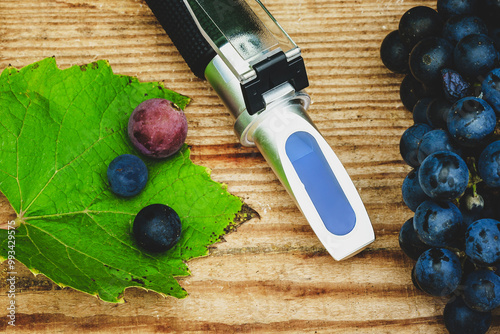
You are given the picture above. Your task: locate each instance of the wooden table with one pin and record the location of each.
(272, 274)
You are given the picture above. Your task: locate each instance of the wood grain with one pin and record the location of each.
(272, 274)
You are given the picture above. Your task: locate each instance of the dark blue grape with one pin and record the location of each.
(457, 27)
(127, 175)
(449, 8)
(437, 112)
(434, 141)
(489, 164)
(467, 267)
(157, 228)
(495, 36)
(443, 176)
(438, 271)
(394, 53)
(413, 195)
(454, 85)
(408, 145)
(471, 206)
(489, 10)
(428, 58)
(475, 55)
(420, 110)
(411, 90)
(490, 197)
(438, 224)
(482, 243)
(491, 89)
(418, 23)
(482, 290)
(460, 319)
(471, 121)
(409, 242)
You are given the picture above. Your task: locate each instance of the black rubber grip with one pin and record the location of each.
(175, 18)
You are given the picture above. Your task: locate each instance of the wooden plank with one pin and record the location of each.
(272, 274)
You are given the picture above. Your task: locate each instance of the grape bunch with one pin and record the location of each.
(450, 59)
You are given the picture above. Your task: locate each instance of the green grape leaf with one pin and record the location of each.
(59, 131)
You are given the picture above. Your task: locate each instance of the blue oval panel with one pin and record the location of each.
(320, 183)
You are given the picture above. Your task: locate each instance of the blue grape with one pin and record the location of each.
(443, 176)
(461, 319)
(438, 224)
(394, 53)
(413, 195)
(489, 10)
(489, 164)
(471, 121)
(471, 206)
(475, 55)
(454, 85)
(491, 89)
(411, 90)
(482, 243)
(459, 26)
(490, 197)
(482, 290)
(449, 8)
(408, 145)
(420, 110)
(428, 58)
(437, 112)
(127, 175)
(434, 141)
(409, 241)
(438, 271)
(157, 228)
(495, 36)
(418, 23)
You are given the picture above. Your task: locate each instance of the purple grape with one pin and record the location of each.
(157, 129)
